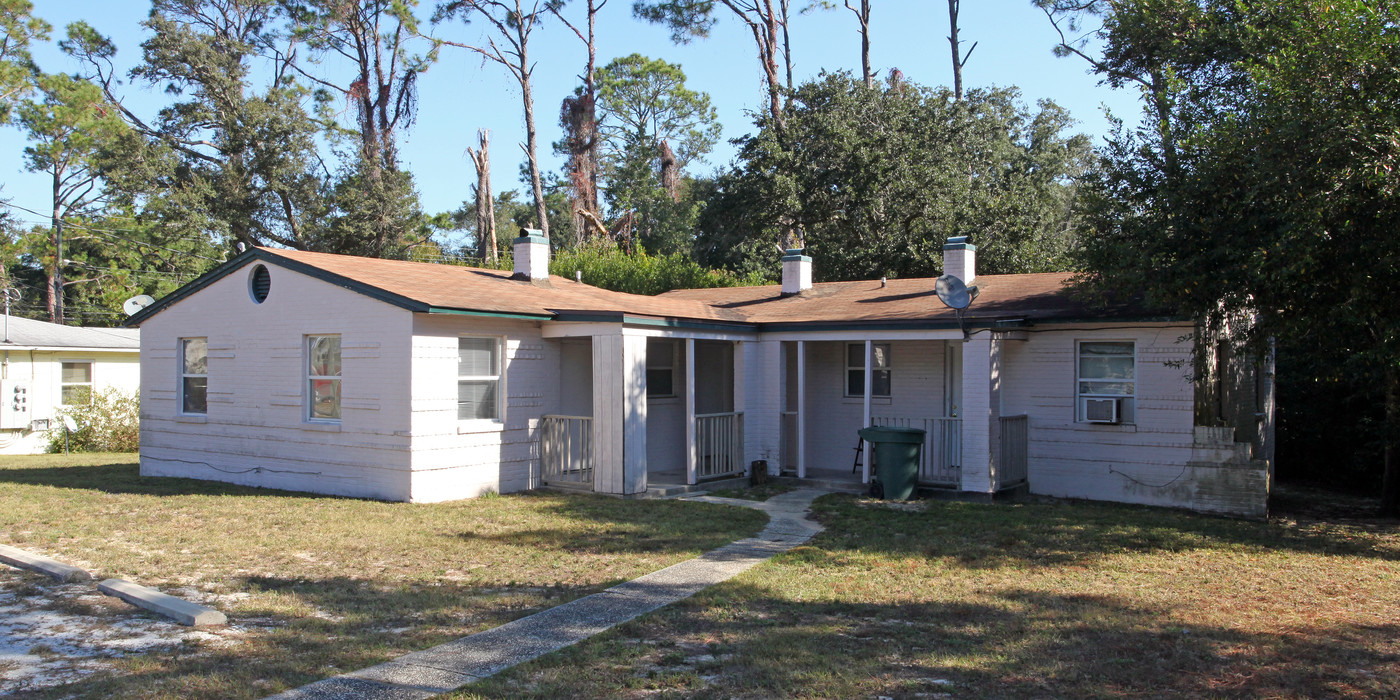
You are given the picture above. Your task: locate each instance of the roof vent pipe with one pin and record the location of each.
(531, 252)
(797, 271)
(960, 259)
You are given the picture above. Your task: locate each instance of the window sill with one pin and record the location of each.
(1107, 427)
(324, 427)
(663, 399)
(480, 426)
(191, 418)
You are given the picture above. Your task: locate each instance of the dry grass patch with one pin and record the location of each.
(325, 585)
(1041, 600)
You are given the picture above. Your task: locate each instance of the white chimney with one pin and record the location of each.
(531, 255)
(797, 271)
(960, 259)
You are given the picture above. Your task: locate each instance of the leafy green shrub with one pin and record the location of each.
(108, 423)
(605, 265)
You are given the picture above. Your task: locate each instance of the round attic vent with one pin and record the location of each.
(259, 282)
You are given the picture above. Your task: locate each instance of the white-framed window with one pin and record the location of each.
(479, 378)
(194, 375)
(880, 370)
(75, 382)
(1106, 369)
(661, 368)
(323, 377)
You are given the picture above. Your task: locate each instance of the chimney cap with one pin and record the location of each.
(958, 243)
(531, 235)
(792, 254)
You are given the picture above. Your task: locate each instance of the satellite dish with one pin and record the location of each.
(953, 293)
(70, 424)
(136, 303)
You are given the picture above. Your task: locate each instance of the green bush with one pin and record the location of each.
(605, 265)
(110, 422)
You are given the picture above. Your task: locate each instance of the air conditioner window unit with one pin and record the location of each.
(1102, 410)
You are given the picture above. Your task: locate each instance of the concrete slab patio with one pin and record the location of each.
(449, 666)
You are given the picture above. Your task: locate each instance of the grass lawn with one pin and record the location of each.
(1046, 600)
(326, 585)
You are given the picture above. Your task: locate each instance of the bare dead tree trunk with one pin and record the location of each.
(55, 288)
(670, 172)
(578, 116)
(959, 58)
(513, 27)
(783, 6)
(1390, 481)
(862, 14)
(485, 199)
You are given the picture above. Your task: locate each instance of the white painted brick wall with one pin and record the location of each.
(1142, 463)
(256, 432)
(453, 459)
(833, 419)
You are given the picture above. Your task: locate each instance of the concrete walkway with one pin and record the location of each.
(449, 666)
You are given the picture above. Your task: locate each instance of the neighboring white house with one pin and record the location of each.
(47, 365)
(422, 382)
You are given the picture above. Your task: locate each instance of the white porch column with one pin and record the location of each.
(869, 378)
(619, 414)
(690, 456)
(758, 392)
(801, 409)
(634, 396)
(981, 413)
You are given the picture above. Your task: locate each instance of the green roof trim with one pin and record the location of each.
(488, 314)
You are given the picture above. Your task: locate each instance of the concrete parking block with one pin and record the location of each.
(181, 611)
(21, 559)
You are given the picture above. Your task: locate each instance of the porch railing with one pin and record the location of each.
(940, 462)
(719, 445)
(566, 450)
(787, 450)
(1015, 462)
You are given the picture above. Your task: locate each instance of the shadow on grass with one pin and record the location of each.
(303, 630)
(624, 526)
(1054, 534)
(738, 640)
(125, 478)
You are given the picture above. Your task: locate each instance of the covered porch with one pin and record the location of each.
(916, 381)
(641, 408)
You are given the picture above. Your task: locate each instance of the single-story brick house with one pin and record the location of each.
(47, 366)
(422, 382)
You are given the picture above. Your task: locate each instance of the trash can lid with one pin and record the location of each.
(881, 433)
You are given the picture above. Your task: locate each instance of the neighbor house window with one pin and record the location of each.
(1107, 370)
(75, 383)
(194, 375)
(478, 378)
(323, 377)
(855, 370)
(661, 368)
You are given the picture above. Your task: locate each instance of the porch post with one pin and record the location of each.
(634, 414)
(607, 414)
(690, 457)
(802, 409)
(980, 413)
(869, 377)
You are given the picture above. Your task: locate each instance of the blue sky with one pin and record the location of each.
(460, 94)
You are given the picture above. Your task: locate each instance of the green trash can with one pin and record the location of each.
(896, 459)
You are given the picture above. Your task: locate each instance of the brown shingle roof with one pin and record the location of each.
(476, 289)
(428, 286)
(1030, 296)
